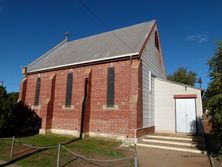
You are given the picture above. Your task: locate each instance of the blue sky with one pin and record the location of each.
(188, 29)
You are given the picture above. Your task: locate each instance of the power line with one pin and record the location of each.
(104, 24)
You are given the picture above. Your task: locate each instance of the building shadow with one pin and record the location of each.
(196, 129)
(212, 140)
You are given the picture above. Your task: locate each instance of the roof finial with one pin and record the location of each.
(200, 81)
(67, 36)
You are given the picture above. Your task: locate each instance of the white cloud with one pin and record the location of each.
(1, 10)
(199, 38)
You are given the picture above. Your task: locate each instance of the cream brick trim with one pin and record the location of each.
(133, 98)
(75, 133)
(23, 80)
(115, 107)
(105, 135)
(72, 107)
(42, 131)
(60, 131)
(135, 65)
(131, 141)
(33, 107)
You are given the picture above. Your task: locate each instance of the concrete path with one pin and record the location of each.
(151, 157)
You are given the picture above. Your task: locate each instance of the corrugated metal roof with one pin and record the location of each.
(102, 46)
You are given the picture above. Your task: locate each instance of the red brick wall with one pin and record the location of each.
(101, 120)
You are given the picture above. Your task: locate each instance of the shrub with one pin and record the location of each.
(16, 119)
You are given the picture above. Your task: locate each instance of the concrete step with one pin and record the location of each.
(177, 142)
(193, 141)
(175, 148)
(174, 145)
(174, 134)
(187, 138)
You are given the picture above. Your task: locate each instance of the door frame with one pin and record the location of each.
(186, 96)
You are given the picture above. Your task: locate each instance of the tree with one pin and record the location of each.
(4, 108)
(182, 75)
(213, 94)
(16, 119)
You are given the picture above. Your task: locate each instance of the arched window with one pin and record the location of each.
(110, 87)
(69, 90)
(157, 41)
(37, 91)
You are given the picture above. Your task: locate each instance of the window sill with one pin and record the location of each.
(34, 107)
(115, 107)
(68, 108)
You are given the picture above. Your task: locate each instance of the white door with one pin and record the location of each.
(185, 115)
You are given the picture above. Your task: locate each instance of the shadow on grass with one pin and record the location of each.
(96, 164)
(24, 151)
(67, 163)
(13, 161)
(89, 162)
(71, 141)
(22, 157)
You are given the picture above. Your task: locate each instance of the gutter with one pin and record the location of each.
(131, 55)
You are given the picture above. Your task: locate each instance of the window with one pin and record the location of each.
(157, 41)
(150, 81)
(110, 87)
(69, 90)
(37, 92)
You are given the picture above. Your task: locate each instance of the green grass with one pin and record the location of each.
(90, 147)
(45, 140)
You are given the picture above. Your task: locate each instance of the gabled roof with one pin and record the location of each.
(178, 83)
(118, 43)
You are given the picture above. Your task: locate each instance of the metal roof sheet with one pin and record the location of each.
(102, 46)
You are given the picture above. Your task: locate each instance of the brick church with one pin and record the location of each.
(103, 85)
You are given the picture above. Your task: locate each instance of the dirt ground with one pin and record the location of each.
(217, 161)
(149, 157)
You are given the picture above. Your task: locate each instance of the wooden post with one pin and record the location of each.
(12, 146)
(135, 162)
(58, 155)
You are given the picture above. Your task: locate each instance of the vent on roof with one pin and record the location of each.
(67, 36)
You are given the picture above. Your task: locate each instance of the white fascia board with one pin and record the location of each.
(84, 62)
(178, 83)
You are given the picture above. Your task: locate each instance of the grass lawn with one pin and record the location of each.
(90, 147)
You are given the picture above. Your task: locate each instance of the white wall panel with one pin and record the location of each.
(152, 61)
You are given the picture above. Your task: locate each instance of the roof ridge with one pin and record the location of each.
(112, 30)
(147, 35)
